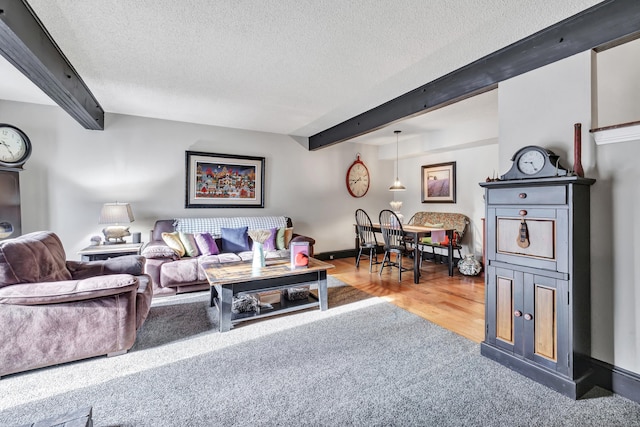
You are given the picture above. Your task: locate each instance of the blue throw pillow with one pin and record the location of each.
(235, 240)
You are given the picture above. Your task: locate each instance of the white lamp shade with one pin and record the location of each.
(116, 213)
(397, 186)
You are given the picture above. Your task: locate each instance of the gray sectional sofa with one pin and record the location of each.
(172, 272)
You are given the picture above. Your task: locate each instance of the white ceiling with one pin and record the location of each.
(294, 67)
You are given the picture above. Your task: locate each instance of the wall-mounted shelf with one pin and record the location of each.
(617, 133)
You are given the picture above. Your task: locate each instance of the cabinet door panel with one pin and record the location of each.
(545, 322)
(545, 302)
(547, 233)
(504, 297)
(504, 309)
(541, 242)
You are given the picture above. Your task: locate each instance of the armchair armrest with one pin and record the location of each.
(128, 264)
(67, 290)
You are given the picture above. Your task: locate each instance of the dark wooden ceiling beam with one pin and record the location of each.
(600, 24)
(26, 44)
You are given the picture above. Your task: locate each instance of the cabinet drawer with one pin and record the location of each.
(528, 196)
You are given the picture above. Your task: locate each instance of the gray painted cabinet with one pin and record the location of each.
(537, 280)
(10, 213)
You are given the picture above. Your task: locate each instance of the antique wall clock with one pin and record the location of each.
(534, 162)
(358, 178)
(15, 147)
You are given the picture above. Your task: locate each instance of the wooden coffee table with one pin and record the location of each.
(230, 279)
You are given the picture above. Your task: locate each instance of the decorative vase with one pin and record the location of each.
(396, 205)
(258, 255)
(577, 150)
(469, 265)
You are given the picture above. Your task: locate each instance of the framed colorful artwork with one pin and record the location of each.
(439, 183)
(224, 181)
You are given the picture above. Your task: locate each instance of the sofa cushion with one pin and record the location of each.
(173, 241)
(206, 244)
(283, 237)
(158, 249)
(189, 243)
(235, 239)
(179, 272)
(31, 258)
(270, 243)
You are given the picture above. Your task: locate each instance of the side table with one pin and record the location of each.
(102, 252)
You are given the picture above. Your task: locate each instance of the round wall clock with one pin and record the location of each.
(15, 146)
(358, 178)
(534, 162)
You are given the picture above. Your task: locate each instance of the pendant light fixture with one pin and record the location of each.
(397, 185)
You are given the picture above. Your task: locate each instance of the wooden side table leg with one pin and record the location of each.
(224, 308)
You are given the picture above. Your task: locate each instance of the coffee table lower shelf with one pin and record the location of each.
(284, 306)
(228, 280)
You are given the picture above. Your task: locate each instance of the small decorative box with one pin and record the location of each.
(297, 293)
(270, 297)
(299, 254)
(244, 304)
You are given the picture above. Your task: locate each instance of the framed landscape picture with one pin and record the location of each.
(439, 183)
(224, 181)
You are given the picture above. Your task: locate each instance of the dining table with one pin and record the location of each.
(416, 233)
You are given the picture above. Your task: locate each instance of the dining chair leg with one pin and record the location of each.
(372, 253)
(384, 258)
(358, 258)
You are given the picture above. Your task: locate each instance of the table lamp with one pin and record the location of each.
(115, 213)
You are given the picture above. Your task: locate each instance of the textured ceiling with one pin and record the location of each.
(293, 67)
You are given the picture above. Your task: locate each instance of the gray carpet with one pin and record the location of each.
(362, 362)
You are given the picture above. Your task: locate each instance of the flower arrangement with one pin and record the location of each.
(396, 205)
(259, 236)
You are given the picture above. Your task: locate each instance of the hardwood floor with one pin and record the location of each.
(455, 303)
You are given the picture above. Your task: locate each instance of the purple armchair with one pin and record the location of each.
(55, 311)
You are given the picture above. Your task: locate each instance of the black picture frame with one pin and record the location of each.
(439, 183)
(215, 180)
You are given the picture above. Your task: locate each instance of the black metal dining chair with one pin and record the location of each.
(366, 238)
(394, 241)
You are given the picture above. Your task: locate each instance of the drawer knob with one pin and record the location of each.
(522, 195)
(517, 313)
(528, 316)
(522, 212)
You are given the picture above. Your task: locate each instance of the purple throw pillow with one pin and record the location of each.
(234, 240)
(270, 243)
(207, 244)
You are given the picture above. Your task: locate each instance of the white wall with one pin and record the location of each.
(541, 107)
(73, 171)
(618, 85)
(473, 165)
(614, 224)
